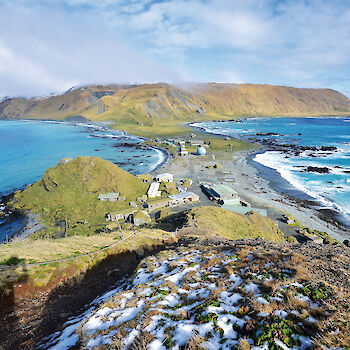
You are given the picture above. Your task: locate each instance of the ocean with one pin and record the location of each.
(331, 189)
(28, 148)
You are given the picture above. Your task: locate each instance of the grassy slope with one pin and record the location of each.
(251, 99)
(32, 251)
(70, 192)
(235, 226)
(56, 107)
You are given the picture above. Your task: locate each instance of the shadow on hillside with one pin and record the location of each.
(172, 222)
(10, 322)
(48, 311)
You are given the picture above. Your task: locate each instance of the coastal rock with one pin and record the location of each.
(268, 134)
(308, 148)
(328, 148)
(315, 169)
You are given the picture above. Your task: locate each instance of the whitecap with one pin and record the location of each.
(275, 160)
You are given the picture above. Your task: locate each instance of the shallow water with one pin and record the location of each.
(331, 190)
(28, 148)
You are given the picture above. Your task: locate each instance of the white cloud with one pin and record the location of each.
(46, 50)
(297, 41)
(21, 71)
(293, 42)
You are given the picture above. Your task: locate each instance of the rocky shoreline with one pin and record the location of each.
(334, 222)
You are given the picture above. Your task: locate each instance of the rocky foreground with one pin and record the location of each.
(220, 294)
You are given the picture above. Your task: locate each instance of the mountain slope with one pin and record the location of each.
(151, 103)
(57, 107)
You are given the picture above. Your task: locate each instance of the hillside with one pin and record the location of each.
(153, 103)
(66, 196)
(249, 294)
(227, 224)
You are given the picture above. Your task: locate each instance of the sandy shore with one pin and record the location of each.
(244, 179)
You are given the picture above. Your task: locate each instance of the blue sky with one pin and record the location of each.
(50, 45)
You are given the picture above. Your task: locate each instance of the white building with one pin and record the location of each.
(183, 198)
(183, 153)
(153, 190)
(166, 177)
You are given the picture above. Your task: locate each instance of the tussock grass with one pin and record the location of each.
(244, 345)
(154, 129)
(40, 250)
(235, 226)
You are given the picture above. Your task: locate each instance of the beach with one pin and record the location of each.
(238, 173)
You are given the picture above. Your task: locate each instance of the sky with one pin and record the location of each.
(48, 46)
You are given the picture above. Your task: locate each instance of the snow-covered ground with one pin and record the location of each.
(208, 297)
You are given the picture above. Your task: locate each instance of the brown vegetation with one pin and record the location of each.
(149, 104)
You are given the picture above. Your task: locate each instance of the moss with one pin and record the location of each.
(327, 239)
(278, 328)
(315, 292)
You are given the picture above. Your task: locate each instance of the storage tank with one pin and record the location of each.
(201, 151)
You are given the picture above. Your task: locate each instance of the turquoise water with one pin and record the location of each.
(28, 148)
(331, 190)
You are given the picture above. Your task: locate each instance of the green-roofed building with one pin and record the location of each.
(244, 210)
(222, 192)
(158, 204)
(231, 201)
(111, 196)
(140, 218)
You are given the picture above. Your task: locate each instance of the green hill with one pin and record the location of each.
(218, 221)
(66, 196)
